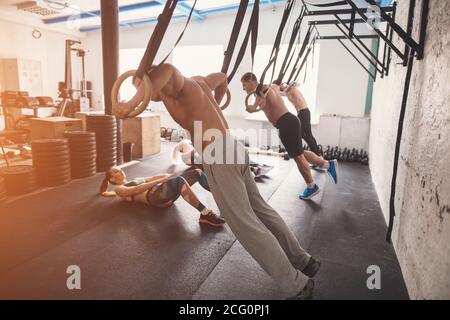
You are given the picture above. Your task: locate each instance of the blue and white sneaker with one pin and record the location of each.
(309, 193)
(333, 170)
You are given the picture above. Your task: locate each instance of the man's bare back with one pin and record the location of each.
(190, 99)
(273, 106)
(295, 96)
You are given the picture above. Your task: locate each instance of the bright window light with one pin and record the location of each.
(129, 60)
(198, 60)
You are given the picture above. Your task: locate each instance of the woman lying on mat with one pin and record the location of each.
(161, 191)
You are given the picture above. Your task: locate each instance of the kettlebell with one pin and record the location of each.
(320, 150)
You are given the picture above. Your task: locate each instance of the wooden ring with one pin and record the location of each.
(137, 103)
(227, 102)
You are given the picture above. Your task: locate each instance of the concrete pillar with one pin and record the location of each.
(110, 49)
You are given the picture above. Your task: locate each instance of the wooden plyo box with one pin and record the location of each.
(145, 132)
(53, 127)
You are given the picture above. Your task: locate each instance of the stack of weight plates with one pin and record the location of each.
(3, 192)
(18, 180)
(51, 160)
(83, 153)
(105, 128)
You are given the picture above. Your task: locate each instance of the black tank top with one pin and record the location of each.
(133, 183)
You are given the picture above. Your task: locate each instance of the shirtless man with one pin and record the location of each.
(297, 99)
(258, 227)
(272, 104)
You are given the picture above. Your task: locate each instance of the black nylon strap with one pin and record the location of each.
(276, 45)
(234, 35)
(305, 58)
(294, 53)
(251, 30)
(290, 54)
(300, 54)
(155, 40)
(157, 36)
(182, 32)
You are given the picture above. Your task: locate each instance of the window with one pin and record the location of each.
(198, 60)
(129, 60)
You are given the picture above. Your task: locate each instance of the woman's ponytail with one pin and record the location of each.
(104, 186)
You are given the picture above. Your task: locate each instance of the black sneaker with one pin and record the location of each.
(306, 293)
(311, 268)
(212, 219)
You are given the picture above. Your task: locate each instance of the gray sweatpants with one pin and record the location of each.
(258, 227)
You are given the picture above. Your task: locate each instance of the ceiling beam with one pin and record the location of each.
(94, 13)
(185, 9)
(202, 13)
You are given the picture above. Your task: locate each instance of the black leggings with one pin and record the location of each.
(305, 119)
(169, 191)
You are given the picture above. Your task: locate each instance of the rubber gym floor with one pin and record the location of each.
(131, 251)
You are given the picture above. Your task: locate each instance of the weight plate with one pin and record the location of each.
(87, 143)
(37, 162)
(106, 148)
(78, 134)
(83, 155)
(90, 144)
(84, 164)
(81, 144)
(54, 151)
(107, 159)
(44, 160)
(107, 153)
(16, 170)
(106, 138)
(51, 166)
(49, 142)
(106, 162)
(83, 151)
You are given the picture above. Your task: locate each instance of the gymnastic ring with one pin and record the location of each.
(248, 97)
(138, 103)
(227, 103)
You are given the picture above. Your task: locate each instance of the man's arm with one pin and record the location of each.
(260, 102)
(161, 75)
(218, 83)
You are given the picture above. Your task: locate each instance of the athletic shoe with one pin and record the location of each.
(309, 192)
(317, 168)
(311, 268)
(333, 170)
(306, 293)
(212, 219)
